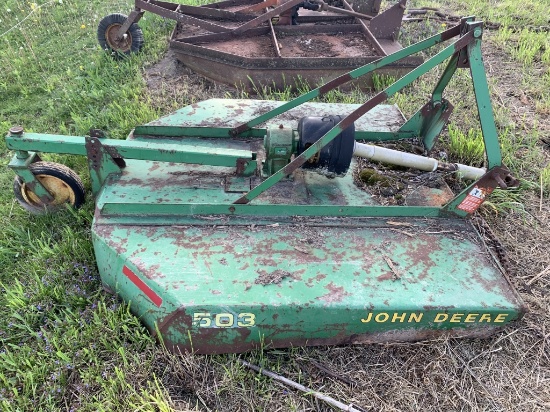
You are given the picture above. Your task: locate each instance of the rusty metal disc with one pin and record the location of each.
(123, 44)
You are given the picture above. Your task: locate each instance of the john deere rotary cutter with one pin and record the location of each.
(232, 224)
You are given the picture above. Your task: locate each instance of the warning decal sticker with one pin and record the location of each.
(474, 199)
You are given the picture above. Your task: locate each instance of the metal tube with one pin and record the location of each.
(428, 164)
(348, 12)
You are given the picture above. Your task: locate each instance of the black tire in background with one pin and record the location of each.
(107, 31)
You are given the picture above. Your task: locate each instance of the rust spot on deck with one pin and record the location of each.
(335, 294)
(385, 276)
(268, 278)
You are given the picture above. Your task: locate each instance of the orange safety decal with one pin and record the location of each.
(156, 299)
(474, 199)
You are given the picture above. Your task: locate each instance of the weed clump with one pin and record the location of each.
(467, 148)
(372, 177)
(387, 185)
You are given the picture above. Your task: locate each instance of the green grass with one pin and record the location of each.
(60, 333)
(523, 27)
(68, 84)
(508, 12)
(466, 148)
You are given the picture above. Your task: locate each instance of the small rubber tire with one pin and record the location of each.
(63, 184)
(107, 31)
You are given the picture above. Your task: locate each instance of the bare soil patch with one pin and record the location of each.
(171, 85)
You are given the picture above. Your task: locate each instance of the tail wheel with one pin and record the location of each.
(63, 184)
(107, 31)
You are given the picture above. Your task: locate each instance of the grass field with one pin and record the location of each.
(67, 345)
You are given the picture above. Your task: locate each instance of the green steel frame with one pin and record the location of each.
(106, 156)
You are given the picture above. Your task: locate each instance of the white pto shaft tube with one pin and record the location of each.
(428, 164)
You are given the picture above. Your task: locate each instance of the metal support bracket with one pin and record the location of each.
(21, 168)
(471, 198)
(483, 96)
(463, 61)
(134, 17)
(101, 162)
(387, 24)
(429, 121)
(298, 161)
(246, 167)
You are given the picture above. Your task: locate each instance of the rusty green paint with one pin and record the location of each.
(305, 285)
(196, 150)
(168, 191)
(307, 282)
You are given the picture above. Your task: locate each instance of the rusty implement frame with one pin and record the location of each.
(208, 223)
(250, 43)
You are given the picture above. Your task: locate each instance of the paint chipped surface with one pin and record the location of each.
(381, 118)
(322, 295)
(335, 293)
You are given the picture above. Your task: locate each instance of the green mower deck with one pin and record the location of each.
(230, 283)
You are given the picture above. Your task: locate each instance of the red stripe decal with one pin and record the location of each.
(156, 299)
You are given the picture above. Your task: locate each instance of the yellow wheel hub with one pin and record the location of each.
(61, 192)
